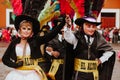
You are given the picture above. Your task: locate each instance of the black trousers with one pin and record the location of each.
(59, 74)
(83, 76)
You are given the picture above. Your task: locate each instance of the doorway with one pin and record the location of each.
(108, 20)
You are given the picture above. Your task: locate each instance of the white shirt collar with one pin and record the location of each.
(91, 39)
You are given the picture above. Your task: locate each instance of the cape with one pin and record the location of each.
(68, 67)
(105, 69)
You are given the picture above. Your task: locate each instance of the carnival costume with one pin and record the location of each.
(31, 68)
(87, 48)
(56, 70)
(48, 10)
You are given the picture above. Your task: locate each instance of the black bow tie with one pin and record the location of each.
(88, 39)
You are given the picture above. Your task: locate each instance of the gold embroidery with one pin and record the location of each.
(87, 66)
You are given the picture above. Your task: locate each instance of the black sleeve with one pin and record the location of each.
(7, 60)
(49, 36)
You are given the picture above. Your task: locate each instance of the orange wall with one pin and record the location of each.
(3, 7)
(108, 4)
(114, 4)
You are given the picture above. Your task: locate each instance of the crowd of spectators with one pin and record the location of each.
(112, 35)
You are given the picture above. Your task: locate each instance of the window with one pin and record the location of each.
(9, 20)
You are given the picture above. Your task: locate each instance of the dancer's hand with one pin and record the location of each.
(55, 53)
(99, 62)
(50, 49)
(19, 63)
(68, 21)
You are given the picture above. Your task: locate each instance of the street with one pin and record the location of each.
(4, 70)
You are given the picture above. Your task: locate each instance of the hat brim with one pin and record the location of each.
(80, 21)
(35, 22)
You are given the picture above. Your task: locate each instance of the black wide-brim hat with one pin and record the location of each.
(92, 20)
(35, 23)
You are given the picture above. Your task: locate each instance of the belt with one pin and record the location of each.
(54, 67)
(32, 64)
(87, 66)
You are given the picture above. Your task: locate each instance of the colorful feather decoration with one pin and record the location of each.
(50, 11)
(86, 7)
(28, 7)
(53, 9)
(47, 10)
(97, 6)
(78, 6)
(65, 8)
(33, 7)
(17, 7)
